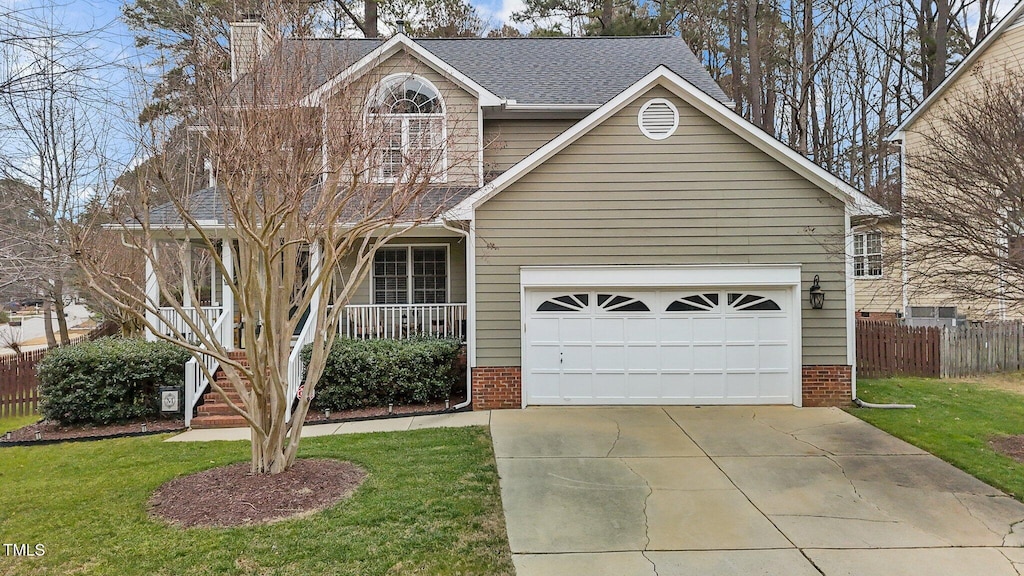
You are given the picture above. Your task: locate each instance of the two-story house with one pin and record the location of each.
(620, 236)
(894, 278)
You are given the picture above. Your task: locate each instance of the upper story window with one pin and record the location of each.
(411, 113)
(867, 254)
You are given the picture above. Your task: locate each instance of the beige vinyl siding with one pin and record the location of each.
(461, 107)
(1006, 52)
(884, 294)
(702, 196)
(456, 268)
(509, 141)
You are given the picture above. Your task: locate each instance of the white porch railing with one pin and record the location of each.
(196, 381)
(170, 320)
(398, 321)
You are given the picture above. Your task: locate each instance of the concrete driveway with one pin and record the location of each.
(740, 490)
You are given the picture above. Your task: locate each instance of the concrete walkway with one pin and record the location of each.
(454, 420)
(776, 491)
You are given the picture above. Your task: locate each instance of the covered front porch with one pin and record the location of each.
(415, 287)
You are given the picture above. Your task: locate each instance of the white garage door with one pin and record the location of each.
(659, 346)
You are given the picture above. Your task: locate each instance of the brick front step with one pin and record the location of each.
(219, 421)
(215, 413)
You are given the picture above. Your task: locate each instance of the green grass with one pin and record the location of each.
(14, 422)
(954, 421)
(429, 506)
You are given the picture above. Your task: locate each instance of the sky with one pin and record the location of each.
(115, 42)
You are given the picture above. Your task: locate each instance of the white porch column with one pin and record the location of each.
(228, 297)
(152, 296)
(186, 276)
(314, 275)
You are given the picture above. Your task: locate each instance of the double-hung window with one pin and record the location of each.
(410, 275)
(409, 112)
(867, 254)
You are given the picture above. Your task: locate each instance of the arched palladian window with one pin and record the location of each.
(411, 112)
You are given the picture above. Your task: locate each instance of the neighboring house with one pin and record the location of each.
(877, 267)
(622, 237)
(1002, 49)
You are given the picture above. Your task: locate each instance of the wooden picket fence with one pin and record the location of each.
(889, 349)
(19, 388)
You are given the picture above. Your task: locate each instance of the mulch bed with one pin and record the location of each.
(231, 496)
(51, 432)
(1012, 446)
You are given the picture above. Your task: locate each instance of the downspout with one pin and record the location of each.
(470, 306)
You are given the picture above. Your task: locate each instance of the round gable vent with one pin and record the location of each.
(658, 119)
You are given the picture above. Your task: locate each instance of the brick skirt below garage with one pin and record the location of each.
(500, 387)
(828, 385)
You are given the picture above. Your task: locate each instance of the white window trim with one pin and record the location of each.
(862, 235)
(367, 115)
(408, 272)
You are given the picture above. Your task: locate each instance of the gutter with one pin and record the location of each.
(470, 315)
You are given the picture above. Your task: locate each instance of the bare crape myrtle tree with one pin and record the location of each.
(306, 189)
(964, 206)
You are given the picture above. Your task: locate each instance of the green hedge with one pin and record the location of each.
(108, 380)
(363, 373)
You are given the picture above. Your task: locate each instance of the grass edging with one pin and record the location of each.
(954, 420)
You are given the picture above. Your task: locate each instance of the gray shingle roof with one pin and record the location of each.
(208, 204)
(588, 70)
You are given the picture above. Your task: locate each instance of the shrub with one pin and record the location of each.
(361, 373)
(108, 380)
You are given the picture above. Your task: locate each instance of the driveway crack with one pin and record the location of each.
(618, 435)
(1010, 560)
(647, 498)
(1013, 530)
(653, 565)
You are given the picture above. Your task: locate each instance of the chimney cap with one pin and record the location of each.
(400, 25)
(252, 17)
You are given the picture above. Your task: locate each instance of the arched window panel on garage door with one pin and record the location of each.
(694, 303)
(567, 303)
(739, 301)
(618, 303)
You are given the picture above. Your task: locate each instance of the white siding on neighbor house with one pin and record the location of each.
(701, 196)
(885, 293)
(1005, 53)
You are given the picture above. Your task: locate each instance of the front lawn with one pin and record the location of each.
(953, 420)
(430, 505)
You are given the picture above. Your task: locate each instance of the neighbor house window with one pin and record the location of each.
(867, 254)
(411, 274)
(409, 111)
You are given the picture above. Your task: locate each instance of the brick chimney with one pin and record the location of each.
(250, 41)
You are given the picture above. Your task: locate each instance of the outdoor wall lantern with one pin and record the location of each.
(817, 295)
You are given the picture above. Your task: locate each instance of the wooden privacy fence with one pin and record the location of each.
(888, 349)
(19, 388)
(982, 349)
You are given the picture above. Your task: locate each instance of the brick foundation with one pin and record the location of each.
(829, 385)
(501, 387)
(495, 388)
